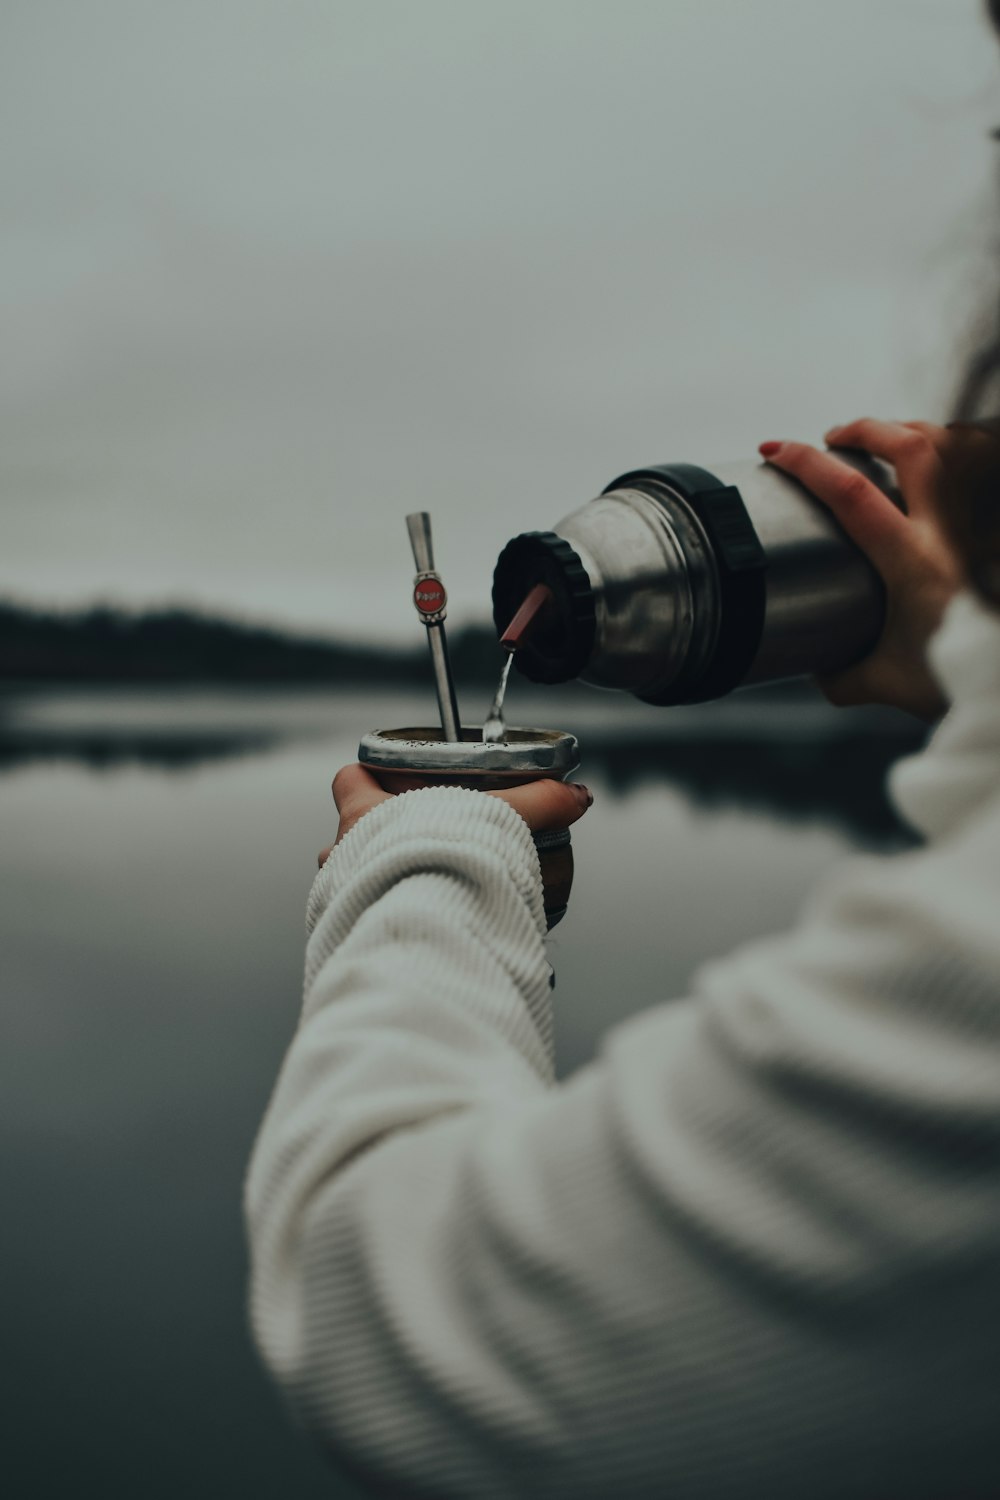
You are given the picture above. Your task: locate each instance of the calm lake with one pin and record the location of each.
(156, 854)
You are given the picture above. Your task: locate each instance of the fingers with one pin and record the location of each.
(355, 791)
(353, 798)
(542, 804)
(354, 787)
(913, 448)
(866, 514)
(546, 805)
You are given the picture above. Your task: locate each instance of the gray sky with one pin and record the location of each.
(275, 272)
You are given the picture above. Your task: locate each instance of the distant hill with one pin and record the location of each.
(104, 645)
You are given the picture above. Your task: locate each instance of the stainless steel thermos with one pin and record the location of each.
(679, 584)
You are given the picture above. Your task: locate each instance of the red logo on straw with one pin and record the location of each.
(429, 596)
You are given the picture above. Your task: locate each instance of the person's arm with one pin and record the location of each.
(751, 1250)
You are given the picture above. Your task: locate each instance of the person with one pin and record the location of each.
(754, 1248)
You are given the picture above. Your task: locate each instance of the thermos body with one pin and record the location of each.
(679, 584)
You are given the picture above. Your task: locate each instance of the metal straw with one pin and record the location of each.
(432, 613)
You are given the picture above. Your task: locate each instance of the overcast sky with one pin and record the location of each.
(276, 272)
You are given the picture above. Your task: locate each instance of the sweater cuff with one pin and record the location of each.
(942, 787)
(438, 825)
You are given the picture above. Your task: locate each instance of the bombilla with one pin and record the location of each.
(431, 603)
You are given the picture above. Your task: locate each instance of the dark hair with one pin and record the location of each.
(982, 371)
(971, 507)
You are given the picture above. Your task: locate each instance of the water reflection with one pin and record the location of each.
(99, 752)
(786, 755)
(152, 941)
(839, 781)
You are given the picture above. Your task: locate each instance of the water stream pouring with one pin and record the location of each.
(517, 632)
(494, 727)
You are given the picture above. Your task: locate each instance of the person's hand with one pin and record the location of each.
(911, 553)
(543, 805)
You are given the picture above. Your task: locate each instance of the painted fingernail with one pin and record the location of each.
(584, 793)
(768, 450)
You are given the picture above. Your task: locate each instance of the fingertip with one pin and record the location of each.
(582, 799)
(547, 805)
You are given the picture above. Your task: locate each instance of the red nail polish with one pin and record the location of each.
(768, 450)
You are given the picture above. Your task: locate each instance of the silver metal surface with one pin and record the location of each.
(443, 684)
(525, 754)
(418, 524)
(655, 589)
(825, 603)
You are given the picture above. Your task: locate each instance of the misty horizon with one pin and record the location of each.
(275, 276)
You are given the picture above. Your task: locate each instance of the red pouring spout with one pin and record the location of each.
(526, 617)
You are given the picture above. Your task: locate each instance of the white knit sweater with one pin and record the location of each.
(754, 1250)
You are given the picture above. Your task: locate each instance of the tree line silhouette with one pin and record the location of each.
(104, 645)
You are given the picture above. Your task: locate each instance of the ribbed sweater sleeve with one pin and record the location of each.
(751, 1251)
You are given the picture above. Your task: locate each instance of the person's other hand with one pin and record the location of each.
(543, 805)
(911, 553)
